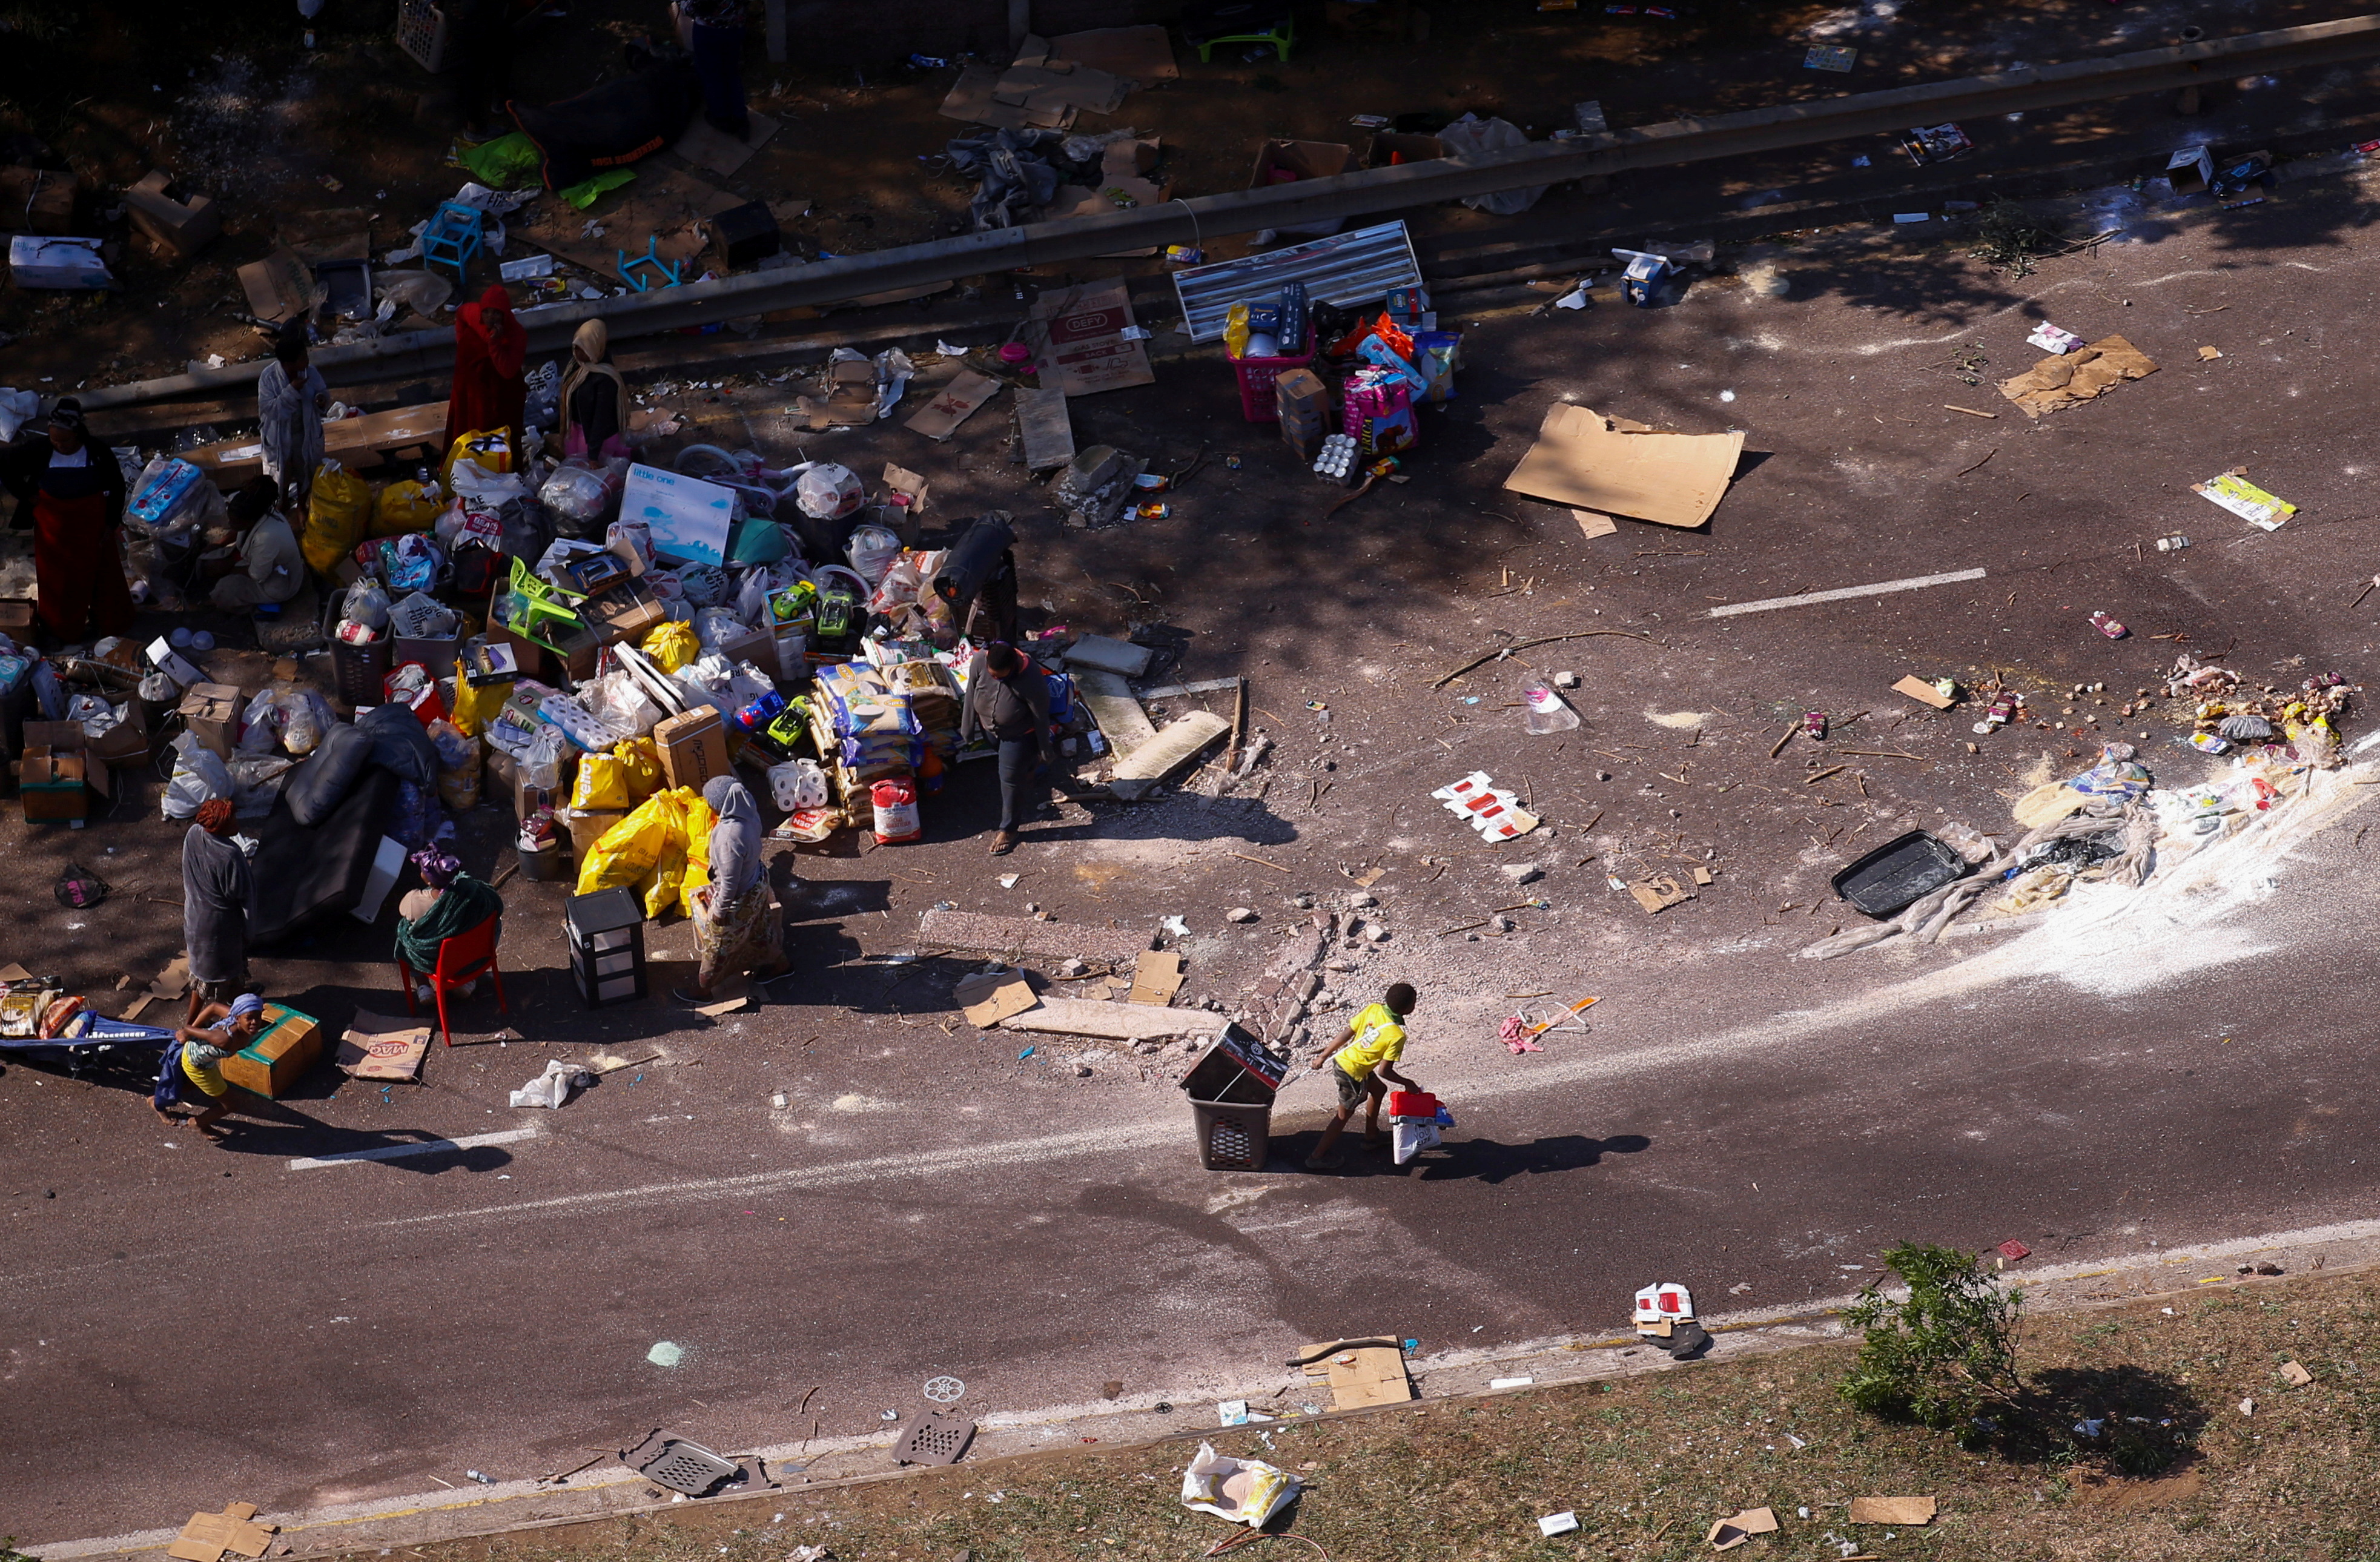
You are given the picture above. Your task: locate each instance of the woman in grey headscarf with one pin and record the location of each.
(290, 399)
(734, 928)
(217, 887)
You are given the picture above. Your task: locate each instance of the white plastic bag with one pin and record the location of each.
(306, 716)
(797, 784)
(259, 731)
(712, 625)
(1412, 1136)
(1471, 136)
(422, 617)
(367, 606)
(635, 535)
(619, 701)
(490, 489)
(871, 550)
(552, 1088)
(256, 780)
(827, 492)
(198, 777)
(1243, 1491)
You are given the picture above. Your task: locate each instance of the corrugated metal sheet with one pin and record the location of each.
(1347, 268)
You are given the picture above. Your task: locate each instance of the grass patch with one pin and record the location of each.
(1648, 1461)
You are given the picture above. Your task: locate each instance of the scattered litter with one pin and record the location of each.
(207, 1536)
(1892, 1510)
(553, 1087)
(2208, 355)
(1243, 1491)
(665, 1353)
(2011, 1250)
(2106, 625)
(1496, 814)
(1829, 56)
(2248, 1406)
(944, 1390)
(678, 1464)
(2076, 376)
(1509, 1382)
(1659, 892)
(1940, 693)
(1614, 466)
(2050, 338)
(1730, 1532)
(2244, 499)
(1558, 1524)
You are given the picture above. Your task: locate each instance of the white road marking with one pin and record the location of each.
(1844, 594)
(399, 1151)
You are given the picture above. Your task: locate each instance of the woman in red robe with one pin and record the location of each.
(76, 492)
(491, 353)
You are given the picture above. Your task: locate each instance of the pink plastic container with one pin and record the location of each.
(1256, 375)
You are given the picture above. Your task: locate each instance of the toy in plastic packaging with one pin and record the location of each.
(167, 489)
(1243, 1491)
(794, 607)
(827, 492)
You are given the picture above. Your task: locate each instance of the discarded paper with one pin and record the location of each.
(1613, 466)
(2058, 383)
(1727, 1533)
(1892, 1510)
(2246, 500)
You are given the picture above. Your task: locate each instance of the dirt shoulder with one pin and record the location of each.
(1647, 1462)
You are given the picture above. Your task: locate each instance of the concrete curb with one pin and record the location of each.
(366, 1530)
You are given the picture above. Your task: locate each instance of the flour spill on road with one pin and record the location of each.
(401, 1152)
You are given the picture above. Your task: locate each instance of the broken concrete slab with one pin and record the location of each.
(1108, 656)
(1180, 742)
(1112, 706)
(1013, 939)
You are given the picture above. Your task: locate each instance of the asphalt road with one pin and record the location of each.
(190, 1325)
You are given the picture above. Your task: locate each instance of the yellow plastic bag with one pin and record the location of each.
(641, 768)
(337, 512)
(661, 889)
(406, 507)
(672, 645)
(491, 448)
(475, 708)
(600, 785)
(629, 851)
(698, 821)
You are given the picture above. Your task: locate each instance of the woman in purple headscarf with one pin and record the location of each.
(449, 902)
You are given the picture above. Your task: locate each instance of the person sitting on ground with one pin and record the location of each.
(193, 1060)
(1362, 1057)
(734, 928)
(216, 889)
(271, 568)
(1008, 696)
(593, 393)
(450, 902)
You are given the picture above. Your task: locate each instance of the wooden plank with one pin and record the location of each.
(1016, 937)
(1047, 432)
(1115, 1023)
(231, 462)
(1113, 707)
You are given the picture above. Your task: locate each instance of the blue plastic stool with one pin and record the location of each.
(453, 237)
(631, 270)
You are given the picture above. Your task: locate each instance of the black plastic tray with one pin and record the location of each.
(1899, 873)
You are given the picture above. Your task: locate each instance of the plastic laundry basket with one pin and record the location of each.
(1256, 375)
(1233, 1137)
(358, 672)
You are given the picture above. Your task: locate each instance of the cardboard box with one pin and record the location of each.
(130, 741)
(211, 713)
(587, 826)
(504, 772)
(290, 1044)
(1288, 162)
(693, 747)
(1303, 402)
(625, 612)
(176, 225)
(66, 263)
(58, 777)
(279, 287)
(953, 405)
(2191, 169)
(1391, 148)
(1084, 339)
(37, 201)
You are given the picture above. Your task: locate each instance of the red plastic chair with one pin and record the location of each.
(461, 959)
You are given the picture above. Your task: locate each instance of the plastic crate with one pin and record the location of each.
(1233, 1137)
(1256, 375)
(421, 32)
(359, 672)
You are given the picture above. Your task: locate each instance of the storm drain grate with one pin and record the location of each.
(934, 1439)
(677, 1464)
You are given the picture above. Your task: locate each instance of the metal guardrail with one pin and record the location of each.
(1349, 195)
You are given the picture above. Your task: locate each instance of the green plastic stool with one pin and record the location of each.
(1250, 22)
